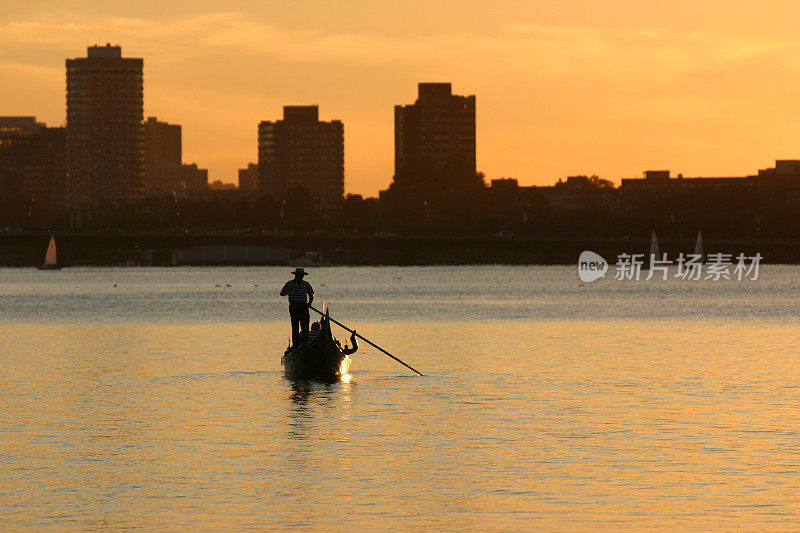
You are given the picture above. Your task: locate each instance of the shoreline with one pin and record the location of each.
(211, 249)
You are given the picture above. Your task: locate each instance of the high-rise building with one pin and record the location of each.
(248, 177)
(105, 158)
(302, 150)
(33, 162)
(439, 127)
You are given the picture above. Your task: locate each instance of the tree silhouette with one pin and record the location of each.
(300, 211)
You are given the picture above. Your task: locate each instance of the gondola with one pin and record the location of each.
(321, 359)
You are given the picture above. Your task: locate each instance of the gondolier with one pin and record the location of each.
(301, 296)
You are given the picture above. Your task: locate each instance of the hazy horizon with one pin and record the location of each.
(576, 87)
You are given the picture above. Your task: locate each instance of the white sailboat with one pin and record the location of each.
(655, 250)
(51, 256)
(698, 245)
(655, 253)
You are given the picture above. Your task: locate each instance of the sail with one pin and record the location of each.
(655, 251)
(698, 244)
(50, 258)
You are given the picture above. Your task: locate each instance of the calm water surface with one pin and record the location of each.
(160, 404)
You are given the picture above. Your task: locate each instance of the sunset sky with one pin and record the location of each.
(570, 87)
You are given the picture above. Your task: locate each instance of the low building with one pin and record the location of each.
(574, 193)
(219, 185)
(33, 162)
(779, 186)
(658, 188)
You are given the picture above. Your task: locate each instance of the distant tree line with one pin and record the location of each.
(425, 198)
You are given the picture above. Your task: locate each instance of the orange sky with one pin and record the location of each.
(608, 87)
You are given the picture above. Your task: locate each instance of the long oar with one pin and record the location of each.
(368, 341)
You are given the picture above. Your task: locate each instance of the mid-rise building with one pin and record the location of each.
(248, 177)
(193, 179)
(33, 162)
(439, 127)
(162, 142)
(302, 150)
(169, 179)
(105, 156)
(164, 171)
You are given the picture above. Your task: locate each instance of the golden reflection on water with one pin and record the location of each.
(312, 398)
(568, 424)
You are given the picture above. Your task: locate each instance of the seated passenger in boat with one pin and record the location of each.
(316, 327)
(347, 350)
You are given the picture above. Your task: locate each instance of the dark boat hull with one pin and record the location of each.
(320, 359)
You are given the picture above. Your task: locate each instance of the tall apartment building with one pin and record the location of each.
(33, 162)
(105, 158)
(438, 127)
(302, 150)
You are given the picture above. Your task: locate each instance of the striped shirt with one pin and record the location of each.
(297, 290)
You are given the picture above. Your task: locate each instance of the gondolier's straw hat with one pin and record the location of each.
(299, 272)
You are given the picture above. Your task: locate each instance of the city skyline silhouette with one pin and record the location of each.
(562, 91)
